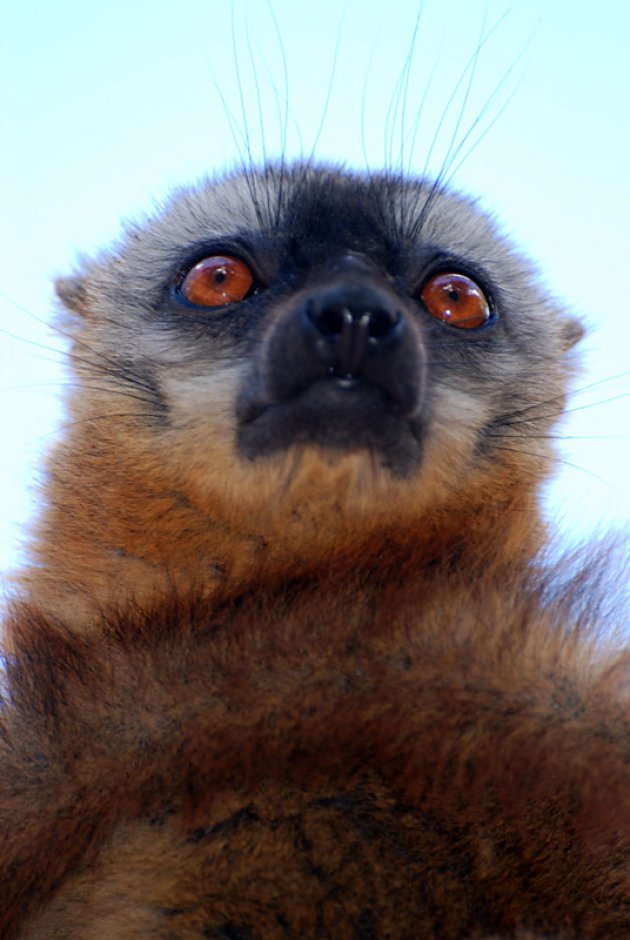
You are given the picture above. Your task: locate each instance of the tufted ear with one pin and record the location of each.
(572, 332)
(71, 292)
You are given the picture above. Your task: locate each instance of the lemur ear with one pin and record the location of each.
(71, 292)
(572, 332)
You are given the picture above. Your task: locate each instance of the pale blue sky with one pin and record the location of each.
(106, 106)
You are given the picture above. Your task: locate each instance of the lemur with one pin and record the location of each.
(287, 660)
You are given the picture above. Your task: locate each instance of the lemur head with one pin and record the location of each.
(302, 336)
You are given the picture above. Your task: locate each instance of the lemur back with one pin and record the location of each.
(287, 661)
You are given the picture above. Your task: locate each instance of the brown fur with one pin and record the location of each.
(181, 772)
(302, 697)
(246, 524)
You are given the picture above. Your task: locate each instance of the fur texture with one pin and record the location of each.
(310, 681)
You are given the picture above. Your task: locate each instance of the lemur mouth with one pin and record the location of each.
(343, 414)
(342, 369)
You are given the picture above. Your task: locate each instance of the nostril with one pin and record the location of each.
(328, 320)
(382, 322)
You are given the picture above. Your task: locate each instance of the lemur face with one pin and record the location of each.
(341, 366)
(301, 313)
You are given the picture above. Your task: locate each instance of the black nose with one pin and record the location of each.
(350, 321)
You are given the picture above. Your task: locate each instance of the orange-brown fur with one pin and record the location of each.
(303, 698)
(242, 525)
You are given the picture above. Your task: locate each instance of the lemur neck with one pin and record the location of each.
(114, 534)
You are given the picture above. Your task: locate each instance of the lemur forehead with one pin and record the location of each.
(319, 205)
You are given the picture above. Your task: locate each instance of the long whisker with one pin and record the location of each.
(525, 417)
(468, 70)
(116, 367)
(329, 90)
(451, 168)
(284, 122)
(553, 459)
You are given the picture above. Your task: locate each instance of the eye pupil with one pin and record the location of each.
(457, 300)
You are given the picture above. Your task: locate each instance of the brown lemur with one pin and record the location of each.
(286, 661)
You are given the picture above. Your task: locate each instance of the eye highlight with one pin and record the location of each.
(457, 300)
(217, 281)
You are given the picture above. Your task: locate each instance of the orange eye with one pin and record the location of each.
(456, 299)
(217, 281)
